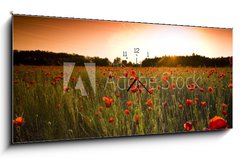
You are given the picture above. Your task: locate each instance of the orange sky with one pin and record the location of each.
(110, 39)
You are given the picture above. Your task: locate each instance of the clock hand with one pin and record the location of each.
(136, 79)
(132, 84)
(144, 86)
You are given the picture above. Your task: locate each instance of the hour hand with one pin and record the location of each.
(131, 84)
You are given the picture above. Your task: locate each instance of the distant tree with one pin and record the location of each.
(117, 61)
(124, 62)
(129, 63)
(39, 57)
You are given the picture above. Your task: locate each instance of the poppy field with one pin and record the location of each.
(177, 99)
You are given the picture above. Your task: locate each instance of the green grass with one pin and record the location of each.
(51, 114)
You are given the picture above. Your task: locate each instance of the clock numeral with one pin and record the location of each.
(125, 54)
(136, 50)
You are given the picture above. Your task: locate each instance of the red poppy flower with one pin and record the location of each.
(57, 78)
(188, 102)
(110, 75)
(134, 89)
(137, 119)
(81, 107)
(149, 102)
(108, 101)
(149, 108)
(19, 121)
(224, 112)
(129, 103)
(126, 111)
(230, 85)
(110, 120)
(101, 109)
(224, 105)
(210, 89)
(221, 75)
(165, 78)
(196, 86)
(180, 106)
(125, 73)
(151, 90)
(204, 103)
(187, 126)
(217, 123)
(201, 90)
(67, 89)
(173, 86)
(133, 72)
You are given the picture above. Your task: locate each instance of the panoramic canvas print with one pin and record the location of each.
(82, 78)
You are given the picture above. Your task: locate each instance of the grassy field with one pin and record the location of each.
(43, 110)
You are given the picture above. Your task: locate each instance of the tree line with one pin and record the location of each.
(194, 61)
(38, 57)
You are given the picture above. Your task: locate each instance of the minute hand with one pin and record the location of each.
(144, 86)
(132, 84)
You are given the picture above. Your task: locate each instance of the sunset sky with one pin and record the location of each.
(109, 39)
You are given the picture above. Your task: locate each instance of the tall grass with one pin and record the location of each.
(50, 113)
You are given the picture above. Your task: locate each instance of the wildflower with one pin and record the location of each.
(126, 111)
(217, 123)
(201, 90)
(204, 103)
(230, 85)
(149, 108)
(129, 103)
(173, 86)
(81, 107)
(180, 106)
(110, 75)
(101, 109)
(187, 126)
(67, 89)
(165, 78)
(108, 101)
(19, 121)
(188, 102)
(224, 105)
(196, 101)
(210, 89)
(149, 102)
(134, 89)
(125, 73)
(137, 119)
(133, 72)
(110, 120)
(151, 90)
(224, 112)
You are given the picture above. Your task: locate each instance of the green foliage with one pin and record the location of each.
(51, 114)
(39, 58)
(191, 61)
